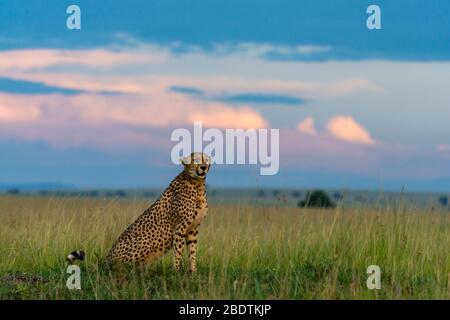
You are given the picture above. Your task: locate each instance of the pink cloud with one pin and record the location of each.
(324, 152)
(353, 85)
(20, 113)
(26, 59)
(443, 147)
(347, 129)
(220, 116)
(33, 65)
(212, 85)
(96, 119)
(307, 126)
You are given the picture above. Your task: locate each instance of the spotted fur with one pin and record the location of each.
(171, 222)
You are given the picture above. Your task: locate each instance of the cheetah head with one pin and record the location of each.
(197, 165)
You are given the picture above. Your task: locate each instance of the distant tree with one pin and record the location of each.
(13, 192)
(261, 194)
(317, 199)
(443, 200)
(276, 193)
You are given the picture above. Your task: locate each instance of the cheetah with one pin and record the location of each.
(168, 222)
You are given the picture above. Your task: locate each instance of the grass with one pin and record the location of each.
(244, 252)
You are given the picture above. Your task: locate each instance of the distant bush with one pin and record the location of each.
(121, 194)
(296, 194)
(317, 199)
(443, 200)
(13, 192)
(93, 193)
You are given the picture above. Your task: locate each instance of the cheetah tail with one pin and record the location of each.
(75, 255)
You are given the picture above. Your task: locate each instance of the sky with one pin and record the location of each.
(356, 108)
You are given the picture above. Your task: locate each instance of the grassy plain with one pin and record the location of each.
(245, 252)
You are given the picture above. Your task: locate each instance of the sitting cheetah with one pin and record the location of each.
(176, 215)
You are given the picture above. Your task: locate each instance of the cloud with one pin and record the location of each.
(270, 51)
(227, 68)
(307, 126)
(211, 86)
(10, 113)
(223, 117)
(325, 155)
(343, 128)
(26, 59)
(352, 85)
(347, 129)
(292, 91)
(261, 99)
(322, 152)
(186, 90)
(105, 119)
(141, 53)
(443, 147)
(154, 88)
(311, 49)
(250, 98)
(32, 87)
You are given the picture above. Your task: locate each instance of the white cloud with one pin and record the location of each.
(312, 49)
(259, 50)
(347, 129)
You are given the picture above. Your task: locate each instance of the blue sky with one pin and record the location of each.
(356, 108)
(413, 29)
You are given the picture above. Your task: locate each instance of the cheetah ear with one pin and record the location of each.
(207, 159)
(184, 161)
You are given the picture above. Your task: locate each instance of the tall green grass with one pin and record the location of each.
(244, 252)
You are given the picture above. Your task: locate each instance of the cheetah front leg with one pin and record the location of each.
(178, 244)
(191, 243)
